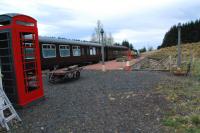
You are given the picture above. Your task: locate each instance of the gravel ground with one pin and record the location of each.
(110, 102)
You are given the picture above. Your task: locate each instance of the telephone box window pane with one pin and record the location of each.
(4, 23)
(29, 51)
(3, 36)
(24, 23)
(29, 36)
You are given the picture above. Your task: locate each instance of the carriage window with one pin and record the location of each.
(64, 50)
(92, 51)
(49, 50)
(76, 51)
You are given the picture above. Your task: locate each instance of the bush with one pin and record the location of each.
(195, 119)
(170, 122)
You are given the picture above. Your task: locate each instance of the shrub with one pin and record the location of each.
(195, 119)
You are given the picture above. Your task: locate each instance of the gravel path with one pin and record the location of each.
(111, 102)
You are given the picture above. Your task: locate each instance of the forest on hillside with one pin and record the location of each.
(190, 32)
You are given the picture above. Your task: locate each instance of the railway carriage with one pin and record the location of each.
(58, 53)
(62, 52)
(113, 52)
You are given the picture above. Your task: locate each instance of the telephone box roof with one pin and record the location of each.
(7, 18)
(11, 15)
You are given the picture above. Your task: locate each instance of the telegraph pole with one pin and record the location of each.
(179, 45)
(102, 50)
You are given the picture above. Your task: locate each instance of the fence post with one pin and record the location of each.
(192, 64)
(170, 63)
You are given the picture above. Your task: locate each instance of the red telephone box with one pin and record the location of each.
(20, 58)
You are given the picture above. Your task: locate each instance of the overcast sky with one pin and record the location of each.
(141, 22)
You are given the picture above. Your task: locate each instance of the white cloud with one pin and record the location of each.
(139, 21)
(86, 38)
(29, 7)
(76, 23)
(45, 29)
(107, 9)
(137, 36)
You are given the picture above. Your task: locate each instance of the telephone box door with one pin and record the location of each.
(30, 65)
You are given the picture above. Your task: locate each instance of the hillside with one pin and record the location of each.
(189, 51)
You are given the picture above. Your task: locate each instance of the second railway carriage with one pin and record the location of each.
(113, 52)
(63, 52)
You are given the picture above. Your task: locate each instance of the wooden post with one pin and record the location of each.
(170, 63)
(193, 61)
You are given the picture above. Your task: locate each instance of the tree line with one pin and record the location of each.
(190, 32)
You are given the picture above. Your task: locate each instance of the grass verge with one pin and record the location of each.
(184, 97)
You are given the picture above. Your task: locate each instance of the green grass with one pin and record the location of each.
(196, 69)
(187, 49)
(184, 96)
(195, 119)
(182, 93)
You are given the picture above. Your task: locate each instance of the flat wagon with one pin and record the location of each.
(60, 75)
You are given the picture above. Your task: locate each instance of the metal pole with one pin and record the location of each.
(179, 45)
(102, 51)
(103, 64)
(99, 37)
